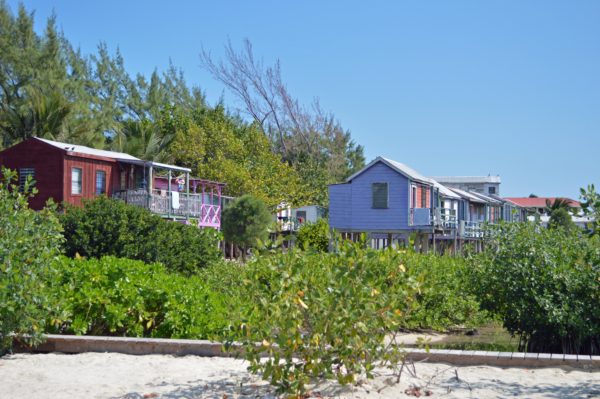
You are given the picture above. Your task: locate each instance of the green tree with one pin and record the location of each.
(544, 285)
(220, 147)
(591, 206)
(561, 218)
(314, 235)
(29, 242)
(558, 204)
(245, 222)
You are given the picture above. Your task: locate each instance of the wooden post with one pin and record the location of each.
(187, 194)
(170, 196)
(149, 186)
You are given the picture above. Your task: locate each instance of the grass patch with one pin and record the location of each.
(491, 337)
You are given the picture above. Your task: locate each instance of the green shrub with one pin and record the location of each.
(314, 235)
(444, 300)
(321, 315)
(112, 296)
(104, 227)
(545, 286)
(29, 241)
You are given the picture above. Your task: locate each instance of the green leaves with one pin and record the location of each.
(29, 242)
(544, 285)
(320, 315)
(314, 235)
(111, 296)
(111, 227)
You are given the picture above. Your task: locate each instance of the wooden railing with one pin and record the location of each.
(445, 218)
(171, 204)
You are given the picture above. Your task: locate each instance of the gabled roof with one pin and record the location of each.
(468, 196)
(486, 198)
(81, 149)
(119, 156)
(539, 202)
(396, 166)
(445, 191)
(467, 179)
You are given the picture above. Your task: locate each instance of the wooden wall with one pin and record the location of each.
(88, 181)
(46, 160)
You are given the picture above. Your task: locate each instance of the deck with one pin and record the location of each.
(174, 204)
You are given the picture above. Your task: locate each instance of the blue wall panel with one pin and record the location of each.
(340, 209)
(364, 217)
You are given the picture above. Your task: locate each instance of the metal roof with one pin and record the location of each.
(467, 179)
(445, 191)
(398, 167)
(468, 196)
(119, 156)
(486, 198)
(81, 149)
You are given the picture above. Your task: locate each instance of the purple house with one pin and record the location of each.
(383, 199)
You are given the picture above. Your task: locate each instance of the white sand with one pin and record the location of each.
(111, 375)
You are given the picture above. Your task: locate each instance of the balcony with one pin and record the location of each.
(445, 218)
(173, 204)
(471, 229)
(420, 217)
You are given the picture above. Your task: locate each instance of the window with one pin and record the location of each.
(100, 182)
(424, 197)
(413, 202)
(380, 195)
(76, 174)
(24, 173)
(301, 216)
(491, 190)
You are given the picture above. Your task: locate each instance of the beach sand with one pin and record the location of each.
(113, 375)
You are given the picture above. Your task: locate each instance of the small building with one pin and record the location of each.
(479, 184)
(291, 219)
(384, 199)
(538, 205)
(71, 173)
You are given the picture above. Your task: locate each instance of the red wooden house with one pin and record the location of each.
(70, 173)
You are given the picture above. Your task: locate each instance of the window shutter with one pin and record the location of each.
(380, 195)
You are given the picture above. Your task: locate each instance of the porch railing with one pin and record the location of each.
(445, 218)
(174, 204)
(470, 229)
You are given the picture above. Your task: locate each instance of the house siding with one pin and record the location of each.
(363, 216)
(48, 165)
(88, 181)
(340, 206)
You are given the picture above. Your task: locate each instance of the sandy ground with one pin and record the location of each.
(111, 375)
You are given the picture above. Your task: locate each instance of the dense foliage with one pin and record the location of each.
(444, 300)
(544, 284)
(314, 235)
(29, 241)
(105, 227)
(245, 221)
(322, 314)
(111, 296)
(590, 204)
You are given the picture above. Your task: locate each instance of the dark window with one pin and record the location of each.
(301, 216)
(24, 173)
(424, 197)
(414, 197)
(492, 190)
(380, 195)
(76, 177)
(100, 182)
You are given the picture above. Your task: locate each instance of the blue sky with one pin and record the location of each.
(447, 87)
